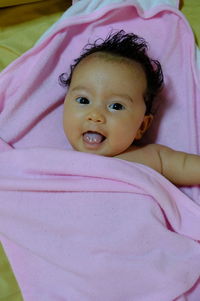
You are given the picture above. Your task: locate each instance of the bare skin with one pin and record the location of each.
(178, 167)
(98, 101)
(104, 112)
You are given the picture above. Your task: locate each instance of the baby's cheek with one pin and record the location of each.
(65, 124)
(68, 127)
(120, 144)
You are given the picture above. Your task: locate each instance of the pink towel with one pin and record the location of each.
(77, 226)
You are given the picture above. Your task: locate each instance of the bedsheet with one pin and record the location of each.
(8, 243)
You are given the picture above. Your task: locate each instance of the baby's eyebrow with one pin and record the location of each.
(124, 96)
(78, 88)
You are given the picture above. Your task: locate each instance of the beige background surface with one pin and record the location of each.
(4, 3)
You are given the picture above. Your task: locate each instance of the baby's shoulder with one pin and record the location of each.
(148, 149)
(148, 155)
(154, 148)
(158, 156)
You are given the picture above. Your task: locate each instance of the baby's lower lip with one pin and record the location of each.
(92, 145)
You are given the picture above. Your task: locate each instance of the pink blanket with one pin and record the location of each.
(77, 226)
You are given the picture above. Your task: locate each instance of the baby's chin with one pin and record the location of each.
(97, 151)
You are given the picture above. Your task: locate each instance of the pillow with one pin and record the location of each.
(4, 3)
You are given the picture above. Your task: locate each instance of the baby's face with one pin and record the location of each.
(104, 107)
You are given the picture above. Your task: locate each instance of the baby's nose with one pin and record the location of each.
(96, 116)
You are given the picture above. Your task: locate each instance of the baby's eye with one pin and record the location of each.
(116, 106)
(82, 100)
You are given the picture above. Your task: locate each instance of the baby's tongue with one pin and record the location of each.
(91, 137)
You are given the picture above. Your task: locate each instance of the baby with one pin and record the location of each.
(108, 106)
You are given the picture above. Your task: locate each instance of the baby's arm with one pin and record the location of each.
(179, 167)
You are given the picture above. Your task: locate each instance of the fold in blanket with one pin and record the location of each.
(78, 226)
(72, 233)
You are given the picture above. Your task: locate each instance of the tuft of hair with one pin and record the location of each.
(129, 46)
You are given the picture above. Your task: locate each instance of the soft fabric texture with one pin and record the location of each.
(72, 233)
(77, 226)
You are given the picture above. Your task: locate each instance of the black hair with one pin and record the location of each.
(130, 46)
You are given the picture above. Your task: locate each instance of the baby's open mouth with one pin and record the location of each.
(93, 137)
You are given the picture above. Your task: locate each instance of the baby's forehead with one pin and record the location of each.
(108, 57)
(94, 68)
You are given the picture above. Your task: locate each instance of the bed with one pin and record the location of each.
(22, 23)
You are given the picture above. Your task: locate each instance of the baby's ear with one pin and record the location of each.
(144, 126)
